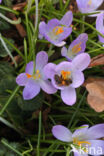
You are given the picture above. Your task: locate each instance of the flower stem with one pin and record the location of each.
(39, 135)
(68, 151)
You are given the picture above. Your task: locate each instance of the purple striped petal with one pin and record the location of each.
(49, 70)
(62, 133)
(42, 28)
(52, 24)
(87, 6)
(81, 62)
(77, 79)
(79, 42)
(100, 26)
(47, 87)
(68, 96)
(21, 79)
(29, 68)
(31, 89)
(96, 132)
(41, 60)
(96, 147)
(67, 19)
(81, 132)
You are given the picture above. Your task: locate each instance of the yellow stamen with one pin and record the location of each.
(58, 30)
(76, 48)
(65, 74)
(37, 71)
(28, 75)
(89, 2)
(63, 83)
(76, 141)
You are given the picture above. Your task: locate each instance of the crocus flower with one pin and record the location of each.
(55, 31)
(84, 140)
(0, 1)
(34, 78)
(76, 47)
(88, 6)
(67, 76)
(100, 26)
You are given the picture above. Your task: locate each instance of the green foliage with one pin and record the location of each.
(31, 105)
(4, 25)
(8, 3)
(3, 52)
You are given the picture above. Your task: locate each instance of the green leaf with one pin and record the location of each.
(31, 105)
(3, 52)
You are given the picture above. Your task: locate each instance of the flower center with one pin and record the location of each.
(79, 143)
(35, 76)
(76, 48)
(58, 30)
(89, 2)
(64, 79)
(65, 74)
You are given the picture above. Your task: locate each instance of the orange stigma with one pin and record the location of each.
(65, 74)
(76, 48)
(58, 30)
(28, 75)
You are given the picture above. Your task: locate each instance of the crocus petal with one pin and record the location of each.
(60, 44)
(47, 87)
(96, 147)
(77, 79)
(87, 6)
(96, 132)
(41, 60)
(64, 51)
(31, 90)
(81, 132)
(29, 68)
(79, 152)
(62, 133)
(81, 41)
(21, 79)
(0, 1)
(95, 4)
(49, 70)
(67, 19)
(81, 62)
(100, 26)
(65, 34)
(52, 24)
(42, 28)
(68, 96)
(66, 66)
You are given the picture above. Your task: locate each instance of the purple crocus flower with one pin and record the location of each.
(67, 76)
(0, 1)
(55, 31)
(100, 26)
(84, 140)
(88, 6)
(34, 78)
(76, 47)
